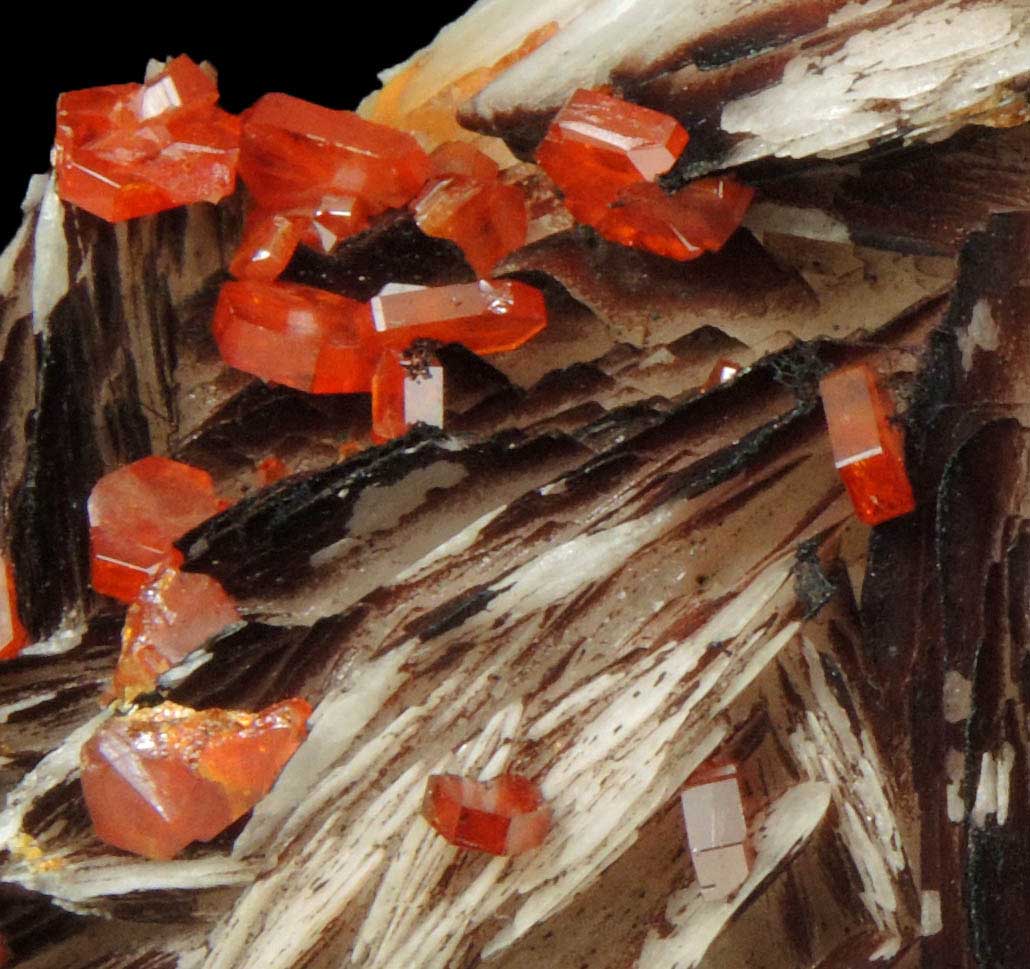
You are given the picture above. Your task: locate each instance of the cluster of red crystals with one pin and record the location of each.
(868, 449)
(136, 513)
(162, 777)
(317, 176)
(503, 816)
(467, 203)
(724, 370)
(170, 618)
(605, 155)
(713, 811)
(128, 150)
(407, 389)
(13, 638)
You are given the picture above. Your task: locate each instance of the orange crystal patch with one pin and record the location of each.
(136, 513)
(488, 316)
(293, 153)
(13, 638)
(172, 616)
(407, 388)
(724, 370)
(300, 336)
(128, 150)
(713, 811)
(268, 243)
(271, 470)
(868, 449)
(503, 816)
(162, 777)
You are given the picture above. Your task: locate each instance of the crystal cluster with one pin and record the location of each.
(13, 638)
(502, 816)
(713, 812)
(162, 777)
(605, 154)
(127, 150)
(868, 449)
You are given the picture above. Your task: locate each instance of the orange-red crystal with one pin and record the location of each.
(724, 370)
(172, 616)
(136, 513)
(268, 243)
(300, 336)
(13, 638)
(162, 777)
(128, 150)
(503, 816)
(407, 388)
(271, 470)
(868, 449)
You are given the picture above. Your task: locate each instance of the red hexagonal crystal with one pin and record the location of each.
(127, 150)
(724, 369)
(169, 618)
(503, 816)
(868, 449)
(13, 638)
(300, 336)
(268, 243)
(136, 513)
(332, 219)
(407, 388)
(599, 144)
(162, 777)
(294, 152)
(488, 316)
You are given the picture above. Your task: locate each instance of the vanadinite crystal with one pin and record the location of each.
(170, 617)
(724, 370)
(488, 316)
(13, 638)
(407, 388)
(162, 777)
(136, 513)
(128, 150)
(503, 816)
(713, 812)
(268, 243)
(300, 336)
(867, 448)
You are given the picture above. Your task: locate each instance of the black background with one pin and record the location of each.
(329, 55)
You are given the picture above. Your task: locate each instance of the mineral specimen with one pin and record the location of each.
(13, 637)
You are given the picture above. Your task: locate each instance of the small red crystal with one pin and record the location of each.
(271, 470)
(268, 243)
(172, 616)
(488, 316)
(136, 513)
(868, 449)
(598, 145)
(294, 152)
(128, 150)
(300, 336)
(162, 777)
(13, 638)
(332, 219)
(724, 370)
(407, 388)
(503, 816)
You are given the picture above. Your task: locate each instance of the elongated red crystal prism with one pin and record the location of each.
(503, 816)
(162, 777)
(13, 638)
(294, 152)
(169, 618)
(407, 388)
(488, 316)
(128, 150)
(713, 812)
(268, 243)
(300, 336)
(136, 513)
(868, 449)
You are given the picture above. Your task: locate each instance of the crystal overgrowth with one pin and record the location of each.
(162, 777)
(713, 812)
(136, 513)
(868, 449)
(13, 638)
(127, 150)
(502, 816)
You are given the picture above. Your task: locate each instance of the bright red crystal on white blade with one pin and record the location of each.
(724, 370)
(407, 388)
(169, 618)
(162, 777)
(128, 150)
(13, 638)
(136, 513)
(502, 816)
(713, 811)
